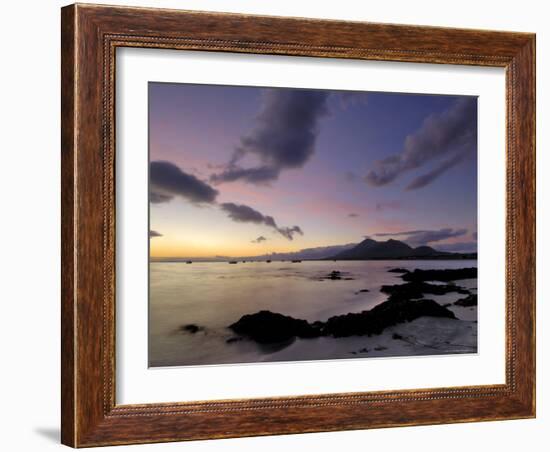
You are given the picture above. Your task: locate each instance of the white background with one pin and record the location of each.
(137, 384)
(29, 328)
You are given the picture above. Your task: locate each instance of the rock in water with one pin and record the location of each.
(269, 327)
(417, 289)
(382, 316)
(440, 275)
(470, 300)
(191, 328)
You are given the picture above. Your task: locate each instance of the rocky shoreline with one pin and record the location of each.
(405, 304)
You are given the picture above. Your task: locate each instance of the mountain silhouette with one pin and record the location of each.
(391, 249)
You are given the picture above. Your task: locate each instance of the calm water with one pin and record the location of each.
(215, 294)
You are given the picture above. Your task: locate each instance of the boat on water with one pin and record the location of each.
(189, 262)
(268, 261)
(297, 261)
(232, 262)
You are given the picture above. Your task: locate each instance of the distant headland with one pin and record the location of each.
(368, 249)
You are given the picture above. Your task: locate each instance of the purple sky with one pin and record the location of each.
(306, 168)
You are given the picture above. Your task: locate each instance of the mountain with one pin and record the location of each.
(394, 249)
(371, 249)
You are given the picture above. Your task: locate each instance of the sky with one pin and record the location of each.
(247, 171)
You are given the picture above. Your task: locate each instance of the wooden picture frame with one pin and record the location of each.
(90, 36)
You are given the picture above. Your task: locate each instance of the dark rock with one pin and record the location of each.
(335, 275)
(191, 328)
(417, 289)
(267, 327)
(382, 316)
(470, 300)
(440, 275)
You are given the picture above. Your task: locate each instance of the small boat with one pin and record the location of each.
(268, 261)
(297, 261)
(189, 262)
(232, 262)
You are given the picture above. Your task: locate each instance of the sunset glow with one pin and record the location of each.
(245, 171)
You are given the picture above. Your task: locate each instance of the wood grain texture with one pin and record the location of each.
(67, 224)
(90, 36)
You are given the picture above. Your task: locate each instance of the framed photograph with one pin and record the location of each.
(279, 225)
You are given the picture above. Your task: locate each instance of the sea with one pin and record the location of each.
(213, 295)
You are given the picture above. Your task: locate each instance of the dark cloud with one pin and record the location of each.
(245, 214)
(154, 234)
(258, 175)
(450, 135)
(393, 234)
(353, 215)
(168, 181)
(459, 247)
(284, 136)
(159, 198)
(424, 237)
(260, 239)
(429, 177)
(289, 232)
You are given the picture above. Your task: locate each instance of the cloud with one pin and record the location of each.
(393, 234)
(245, 214)
(459, 247)
(429, 177)
(353, 215)
(159, 198)
(423, 237)
(289, 232)
(258, 175)
(284, 136)
(449, 135)
(168, 181)
(260, 239)
(154, 234)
